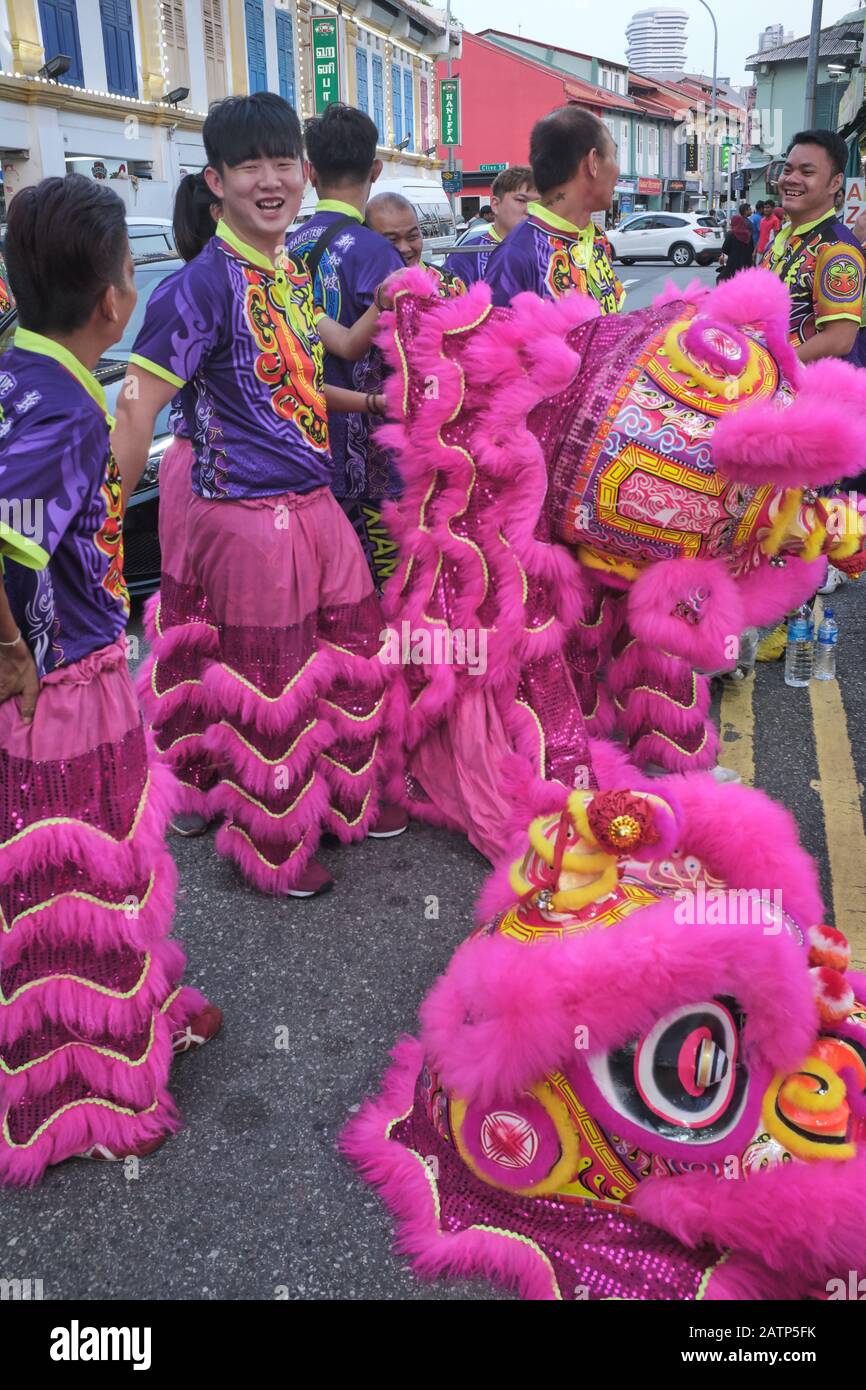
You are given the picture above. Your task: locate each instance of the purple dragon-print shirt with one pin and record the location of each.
(61, 525)
(351, 268)
(241, 336)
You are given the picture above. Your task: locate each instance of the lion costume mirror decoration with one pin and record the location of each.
(628, 1083)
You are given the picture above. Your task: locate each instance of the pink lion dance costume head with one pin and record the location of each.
(632, 491)
(644, 1075)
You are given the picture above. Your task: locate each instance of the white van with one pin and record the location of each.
(427, 196)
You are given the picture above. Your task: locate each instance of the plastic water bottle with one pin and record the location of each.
(748, 650)
(825, 651)
(798, 653)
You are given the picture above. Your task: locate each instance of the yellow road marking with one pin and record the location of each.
(840, 791)
(737, 719)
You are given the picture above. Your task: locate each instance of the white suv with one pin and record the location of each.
(681, 237)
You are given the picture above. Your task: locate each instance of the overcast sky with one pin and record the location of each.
(598, 26)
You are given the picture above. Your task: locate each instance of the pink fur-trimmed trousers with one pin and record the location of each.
(182, 636)
(295, 692)
(90, 991)
(653, 699)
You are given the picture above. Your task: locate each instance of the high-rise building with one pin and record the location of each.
(657, 41)
(773, 36)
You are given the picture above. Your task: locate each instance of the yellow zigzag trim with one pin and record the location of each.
(269, 762)
(79, 980)
(93, 1047)
(93, 829)
(85, 1100)
(354, 821)
(274, 815)
(357, 718)
(237, 830)
(352, 772)
(83, 897)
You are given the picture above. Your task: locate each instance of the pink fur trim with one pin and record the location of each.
(228, 695)
(405, 1186)
(310, 798)
(257, 871)
(770, 591)
(233, 756)
(78, 1129)
(104, 859)
(503, 1014)
(657, 591)
(80, 1006)
(131, 1083)
(804, 1220)
(671, 751)
(810, 442)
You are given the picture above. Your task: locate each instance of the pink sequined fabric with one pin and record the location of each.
(86, 898)
(595, 1250)
(292, 688)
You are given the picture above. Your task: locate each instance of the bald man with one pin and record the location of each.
(395, 218)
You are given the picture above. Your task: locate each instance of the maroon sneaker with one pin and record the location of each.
(101, 1153)
(391, 820)
(199, 1030)
(314, 880)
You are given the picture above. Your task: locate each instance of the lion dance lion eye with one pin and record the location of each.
(684, 1079)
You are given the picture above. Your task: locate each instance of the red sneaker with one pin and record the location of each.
(199, 1030)
(314, 880)
(391, 820)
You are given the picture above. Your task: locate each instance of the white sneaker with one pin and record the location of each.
(724, 774)
(834, 579)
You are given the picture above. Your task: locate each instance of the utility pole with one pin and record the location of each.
(450, 147)
(812, 65)
(713, 132)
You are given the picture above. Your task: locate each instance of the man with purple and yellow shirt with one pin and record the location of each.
(348, 262)
(558, 248)
(512, 192)
(819, 260)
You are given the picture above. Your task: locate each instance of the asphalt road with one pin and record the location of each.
(251, 1200)
(648, 278)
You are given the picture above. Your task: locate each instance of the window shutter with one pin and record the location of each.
(378, 96)
(286, 56)
(214, 48)
(361, 75)
(174, 30)
(408, 108)
(257, 65)
(425, 114)
(59, 20)
(396, 104)
(119, 42)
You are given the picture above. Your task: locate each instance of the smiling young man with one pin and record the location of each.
(290, 623)
(558, 248)
(512, 192)
(818, 259)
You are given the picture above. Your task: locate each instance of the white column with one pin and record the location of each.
(273, 64)
(92, 45)
(195, 49)
(5, 45)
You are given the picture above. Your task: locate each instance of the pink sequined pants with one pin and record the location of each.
(295, 693)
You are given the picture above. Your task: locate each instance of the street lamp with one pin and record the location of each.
(712, 192)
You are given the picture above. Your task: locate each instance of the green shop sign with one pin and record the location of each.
(326, 61)
(449, 113)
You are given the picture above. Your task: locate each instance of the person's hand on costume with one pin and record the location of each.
(18, 676)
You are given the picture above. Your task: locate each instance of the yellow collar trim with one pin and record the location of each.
(334, 205)
(249, 253)
(494, 235)
(783, 236)
(47, 347)
(554, 220)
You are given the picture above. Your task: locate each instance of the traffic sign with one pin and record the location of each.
(452, 180)
(491, 168)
